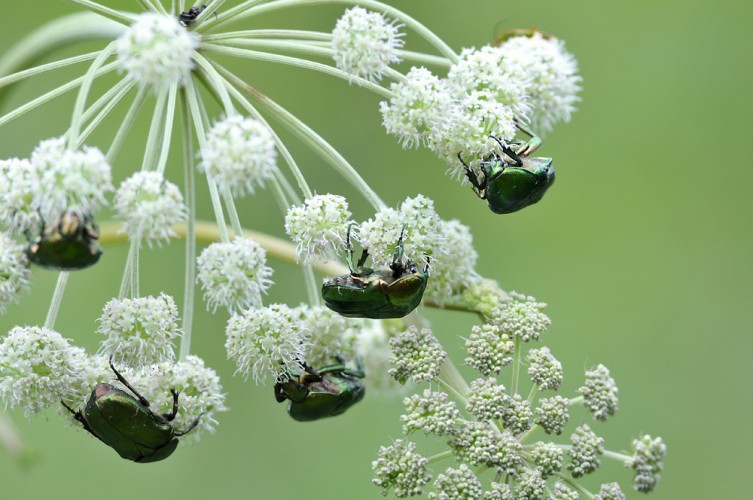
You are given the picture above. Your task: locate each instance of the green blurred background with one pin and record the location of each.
(641, 249)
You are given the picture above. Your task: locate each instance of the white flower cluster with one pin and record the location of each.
(14, 271)
(365, 43)
(139, 331)
(157, 51)
(488, 92)
(416, 220)
(239, 155)
(319, 227)
(149, 206)
(234, 275)
(54, 180)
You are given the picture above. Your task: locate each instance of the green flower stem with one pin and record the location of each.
(42, 68)
(83, 92)
(57, 299)
(439, 456)
(268, 33)
(121, 17)
(126, 125)
(149, 5)
(528, 433)
(156, 128)
(53, 36)
(284, 152)
(314, 140)
(315, 47)
(232, 213)
(248, 9)
(232, 14)
(620, 457)
(451, 388)
(532, 394)
(193, 101)
(189, 172)
(172, 99)
(575, 401)
(217, 83)
(296, 62)
(516, 367)
(49, 96)
(107, 103)
(565, 479)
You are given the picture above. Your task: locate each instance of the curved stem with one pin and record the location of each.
(172, 97)
(42, 68)
(49, 96)
(126, 125)
(193, 101)
(249, 8)
(83, 93)
(314, 140)
(154, 138)
(516, 367)
(121, 17)
(299, 63)
(217, 83)
(107, 102)
(268, 33)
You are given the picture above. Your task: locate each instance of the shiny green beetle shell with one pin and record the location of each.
(511, 186)
(67, 245)
(326, 392)
(126, 423)
(376, 293)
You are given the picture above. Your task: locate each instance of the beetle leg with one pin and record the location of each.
(80, 419)
(358, 371)
(350, 250)
(532, 144)
(509, 152)
(362, 260)
(473, 179)
(397, 257)
(123, 381)
(280, 395)
(428, 260)
(190, 427)
(171, 416)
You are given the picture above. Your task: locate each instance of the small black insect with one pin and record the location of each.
(188, 18)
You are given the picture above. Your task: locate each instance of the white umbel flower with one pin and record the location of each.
(267, 342)
(319, 227)
(551, 74)
(422, 235)
(14, 271)
(239, 155)
(417, 106)
(71, 179)
(199, 390)
(150, 206)
(38, 368)
(139, 331)
(454, 270)
(234, 275)
(156, 50)
(365, 43)
(20, 191)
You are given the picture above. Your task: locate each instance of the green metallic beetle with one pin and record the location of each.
(67, 245)
(376, 293)
(326, 392)
(511, 186)
(126, 423)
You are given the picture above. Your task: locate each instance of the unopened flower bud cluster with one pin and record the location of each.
(493, 425)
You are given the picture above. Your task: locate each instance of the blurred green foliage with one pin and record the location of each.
(642, 249)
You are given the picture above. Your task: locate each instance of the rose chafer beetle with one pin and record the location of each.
(509, 186)
(126, 423)
(376, 293)
(69, 244)
(325, 392)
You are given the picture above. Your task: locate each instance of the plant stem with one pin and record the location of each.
(57, 299)
(190, 269)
